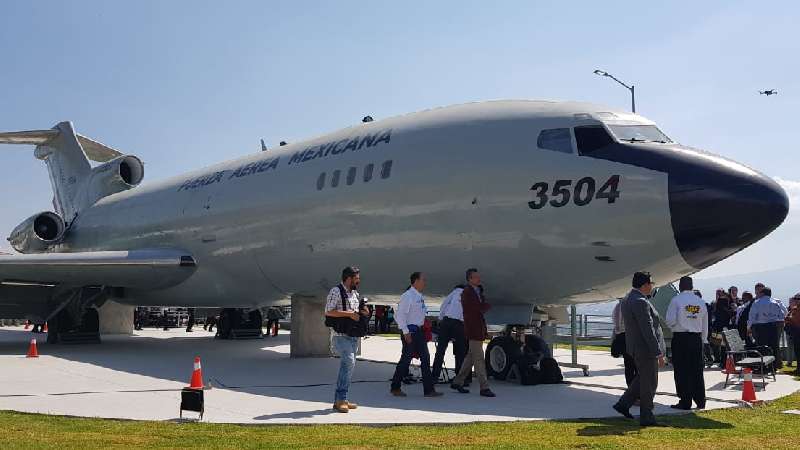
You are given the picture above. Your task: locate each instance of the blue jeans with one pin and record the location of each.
(346, 348)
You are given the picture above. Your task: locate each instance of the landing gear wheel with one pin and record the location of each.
(254, 320)
(501, 354)
(225, 324)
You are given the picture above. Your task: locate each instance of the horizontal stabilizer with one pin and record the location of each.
(146, 269)
(94, 150)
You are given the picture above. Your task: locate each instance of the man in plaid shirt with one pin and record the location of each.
(345, 345)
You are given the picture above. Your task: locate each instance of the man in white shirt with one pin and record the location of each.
(410, 317)
(766, 321)
(451, 327)
(619, 329)
(687, 316)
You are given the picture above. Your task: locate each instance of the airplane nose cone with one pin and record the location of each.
(719, 207)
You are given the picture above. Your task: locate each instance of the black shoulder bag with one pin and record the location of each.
(341, 325)
(618, 345)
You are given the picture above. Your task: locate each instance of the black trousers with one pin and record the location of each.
(449, 329)
(769, 334)
(643, 388)
(630, 368)
(420, 346)
(687, 361)
(190, 322)
(794, 335)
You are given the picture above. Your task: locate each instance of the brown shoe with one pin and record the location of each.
(351, 405)
(398, 393)
(341, 406)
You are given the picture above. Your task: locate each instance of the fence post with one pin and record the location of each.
(574, 328)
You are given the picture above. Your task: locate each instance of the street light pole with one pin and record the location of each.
(630, 88)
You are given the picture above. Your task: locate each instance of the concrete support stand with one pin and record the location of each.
(115, 318)
(310, 337)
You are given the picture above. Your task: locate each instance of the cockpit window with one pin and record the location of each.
(639, 133)
(557, 139)
(591, 137)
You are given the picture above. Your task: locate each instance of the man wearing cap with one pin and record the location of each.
(645, 342)
(765, 323)
(686, 316)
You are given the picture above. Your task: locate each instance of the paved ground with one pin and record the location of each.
(255, 381)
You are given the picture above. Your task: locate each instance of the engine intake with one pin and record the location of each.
(119, 174)
(38, 233)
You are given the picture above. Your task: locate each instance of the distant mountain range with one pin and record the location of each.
(784, 282)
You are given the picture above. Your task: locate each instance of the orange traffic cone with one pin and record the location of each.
(44, 329)
(197, 375)
(275, 329)
(27, 324)
(748, 390)
(33, 352)
(730, 366)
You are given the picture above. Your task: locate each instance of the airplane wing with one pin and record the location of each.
(138, 269)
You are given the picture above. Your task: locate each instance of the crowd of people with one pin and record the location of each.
(461, 319)
(759, 319)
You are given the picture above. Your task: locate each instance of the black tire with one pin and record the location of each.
(255, 320)
(501, 353)
(225, 323)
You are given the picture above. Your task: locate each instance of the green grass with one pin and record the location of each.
(760, 427)
(599, 348)
(791, 370)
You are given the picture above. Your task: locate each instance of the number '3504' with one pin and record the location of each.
(581, 192)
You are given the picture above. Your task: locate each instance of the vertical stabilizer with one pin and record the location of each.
(68, 167)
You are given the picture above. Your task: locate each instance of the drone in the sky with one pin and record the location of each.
(769, 92)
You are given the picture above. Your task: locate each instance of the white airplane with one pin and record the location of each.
(555, 203)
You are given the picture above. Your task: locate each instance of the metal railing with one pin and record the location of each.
(589, 326)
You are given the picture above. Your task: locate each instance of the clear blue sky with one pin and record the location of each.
(183, 84)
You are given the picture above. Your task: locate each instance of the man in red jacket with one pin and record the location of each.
(474, 305)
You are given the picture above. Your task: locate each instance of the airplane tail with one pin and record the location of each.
(67, 156)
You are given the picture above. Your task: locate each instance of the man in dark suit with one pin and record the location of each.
(645, 343)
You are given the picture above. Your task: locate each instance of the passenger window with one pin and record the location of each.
(557, 139)
(368, 172)
(386, 169)
(321, 181)
(591, 138)
(351, 176)
(335, 178)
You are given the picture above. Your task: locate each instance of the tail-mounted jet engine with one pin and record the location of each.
(120, 174)
(38, 233)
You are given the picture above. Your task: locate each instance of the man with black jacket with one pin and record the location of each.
(342, 306)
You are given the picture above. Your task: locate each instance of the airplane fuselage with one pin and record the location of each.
(437, 191)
